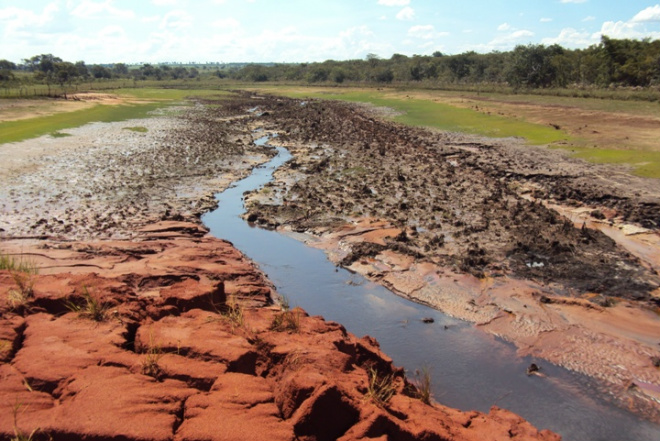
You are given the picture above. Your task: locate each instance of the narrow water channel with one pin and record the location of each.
(470, 369)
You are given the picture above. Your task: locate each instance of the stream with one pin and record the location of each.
(470, 370)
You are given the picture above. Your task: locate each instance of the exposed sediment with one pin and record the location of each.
(187, 344)
(491, 231)
(141, 326)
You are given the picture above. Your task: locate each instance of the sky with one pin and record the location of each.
(153, 31)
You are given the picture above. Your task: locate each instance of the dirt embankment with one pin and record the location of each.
(139, 330)
(173, 336)
(464, 224)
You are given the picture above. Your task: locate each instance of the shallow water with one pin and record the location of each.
(469, 369)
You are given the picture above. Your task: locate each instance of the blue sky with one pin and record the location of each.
(107, 31)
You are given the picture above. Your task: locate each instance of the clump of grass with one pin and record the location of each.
(234, 312)
(151, 363)
(288, 319)
(18, 434)
(10, 263)
(422, 385)
(23, 272)
(139, 129)
(381, 388)
(60, 135)
(93, 308)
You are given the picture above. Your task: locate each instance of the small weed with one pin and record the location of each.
(150, 364)
(233, 311)
(287, 320)
(139, 129)
(92, 309)
(23, 273)
(422, 385)
(9, 263)
(60, 135)
(381, 388)
(18, 434)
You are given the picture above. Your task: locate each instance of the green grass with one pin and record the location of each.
(170, 94)
(644, 164)
(427, 113)
(14, 131)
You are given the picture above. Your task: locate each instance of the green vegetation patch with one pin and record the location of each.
(171, 94)
(644, 164)
(14, 131)
(427, 113)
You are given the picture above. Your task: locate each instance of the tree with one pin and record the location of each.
(44, 63)
(532, 66)
(99, 72)
(83, 72)
(64, 73)
(120, 69)
(6, 68)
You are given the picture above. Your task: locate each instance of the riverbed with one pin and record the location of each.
(470, 369)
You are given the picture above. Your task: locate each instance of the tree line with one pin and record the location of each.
(612, 62)
(53, 71)
(621, 62)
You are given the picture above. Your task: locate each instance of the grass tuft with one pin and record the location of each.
(23, 272)
(234, 312)
(93, 308)
(18, 434)
(288, 319)
(381, 388)
(151, 363)
(422, 385)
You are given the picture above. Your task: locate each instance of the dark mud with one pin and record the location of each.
(460, 202)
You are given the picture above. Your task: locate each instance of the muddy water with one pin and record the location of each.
(470, 370)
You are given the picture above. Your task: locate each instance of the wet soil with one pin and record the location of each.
(106, 181)
(458, 201)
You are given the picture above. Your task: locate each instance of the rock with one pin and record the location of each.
(170, 358)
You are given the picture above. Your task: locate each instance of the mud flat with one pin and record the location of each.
(490, 231)
(139, 325)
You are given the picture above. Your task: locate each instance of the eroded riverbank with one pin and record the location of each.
(169, 330)
(448, 221)
(380, 230)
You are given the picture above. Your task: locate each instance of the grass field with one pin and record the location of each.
(439, 115)
(140, 102)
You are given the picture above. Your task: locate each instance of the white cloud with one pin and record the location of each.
(504, 27)
(227, 23)
(406, 13)
(152, 19)
(650, 14)
(589, 18)
(164, 2)
(88, 9)
(422, 31)
(176, 20)
(571, 38)
(112, 31)
(545, 20)
(505, 42)
(394, 2)
(623, 30)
